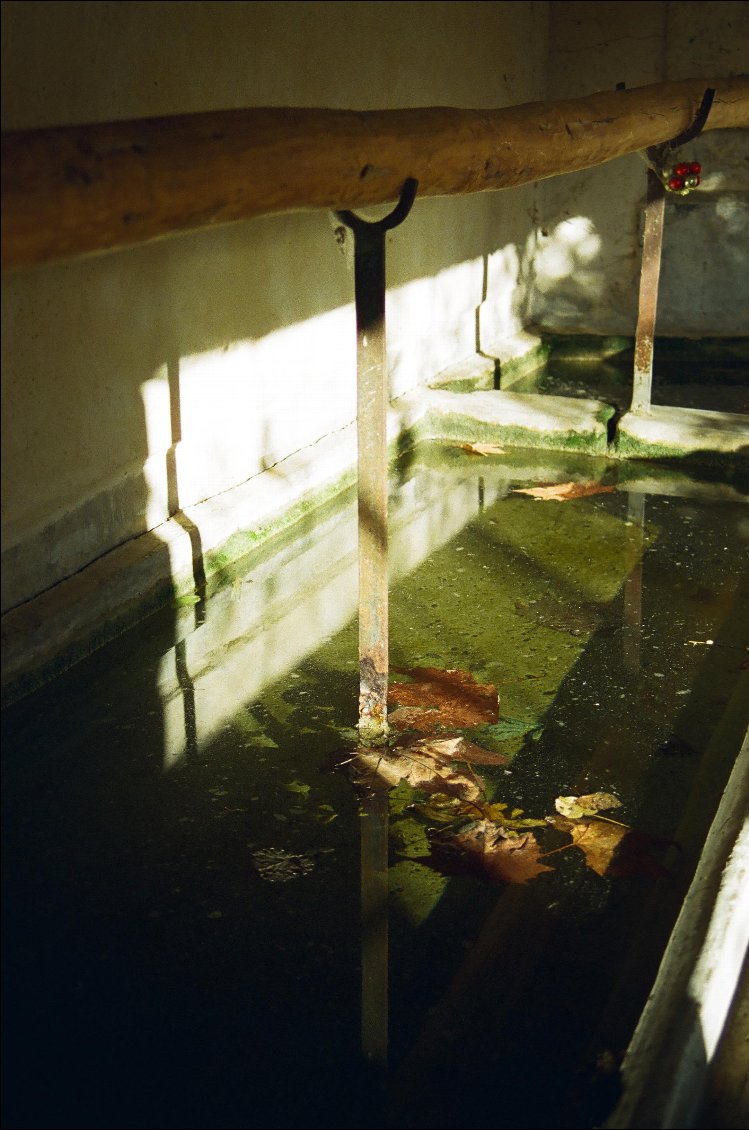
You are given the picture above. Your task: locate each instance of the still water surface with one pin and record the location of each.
(186, 861)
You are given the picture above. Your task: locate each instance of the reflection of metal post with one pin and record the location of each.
(372, 400)
(650, 270)
(374, 928)
(633, 585)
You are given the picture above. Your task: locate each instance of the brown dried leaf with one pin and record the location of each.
(483, 448)
(438, 700)
(576, 806)
(453, 748)
(419, 767)
(614, 849)
(483, 849)
(562, 492)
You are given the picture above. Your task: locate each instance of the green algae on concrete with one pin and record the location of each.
(517, 419)
(666, 433)
(498, 365)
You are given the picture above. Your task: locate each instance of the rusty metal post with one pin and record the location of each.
(372, 401)
(655, 207)
(650, 269)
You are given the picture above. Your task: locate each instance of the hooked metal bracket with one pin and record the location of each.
(372, 401)
(657, 156)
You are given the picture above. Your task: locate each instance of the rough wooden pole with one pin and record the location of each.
(81, 189)
(650, 270)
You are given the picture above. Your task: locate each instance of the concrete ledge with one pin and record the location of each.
(44, 636)
(667, 433)
(74, 617)
(517, 419)
(501, 362)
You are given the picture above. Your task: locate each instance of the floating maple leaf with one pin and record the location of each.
(562, 492)
(437, 700)
(483, 448)
(485, 849)
(589, 805)
(614, 849)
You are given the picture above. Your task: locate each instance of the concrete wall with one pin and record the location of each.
(585, 255)
(137, 384)
(142, 382)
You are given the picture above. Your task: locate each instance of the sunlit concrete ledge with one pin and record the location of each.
(53, 630)
(664, 432)
(518, 419)
(670, 1066)
(69, 620)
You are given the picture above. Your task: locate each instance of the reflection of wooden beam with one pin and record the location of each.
(79, 189)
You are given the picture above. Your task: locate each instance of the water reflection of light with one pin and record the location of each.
(293, 600)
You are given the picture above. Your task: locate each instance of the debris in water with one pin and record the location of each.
(614, 849)
(483, 448)
(562, 492)
(276, 865)
(437, 700)
(422, 765)
(573, 807)
(486, 850)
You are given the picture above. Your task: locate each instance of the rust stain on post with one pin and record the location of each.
(655, 206)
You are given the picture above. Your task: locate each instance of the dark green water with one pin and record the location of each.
(184, 861)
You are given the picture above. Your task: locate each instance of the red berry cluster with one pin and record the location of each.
(684, 176)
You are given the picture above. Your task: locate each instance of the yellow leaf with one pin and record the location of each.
(562, 492)
(483, 448)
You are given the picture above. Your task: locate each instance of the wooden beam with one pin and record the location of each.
(81, 189)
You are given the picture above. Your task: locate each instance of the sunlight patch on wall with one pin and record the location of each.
(431, 323)
(569, 274)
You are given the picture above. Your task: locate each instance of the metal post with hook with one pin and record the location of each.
(655, 209)
(372, 401)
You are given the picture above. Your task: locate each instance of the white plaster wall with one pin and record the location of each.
(585, 251)
(139, 382)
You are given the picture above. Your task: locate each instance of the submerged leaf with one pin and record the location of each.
(442, 809)
(276, 865)
(482, 849)
(417, 765)
(452, 748)
(437, 700)
(504, 731)
(299, 787)
(562, 492)
(574, 807)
